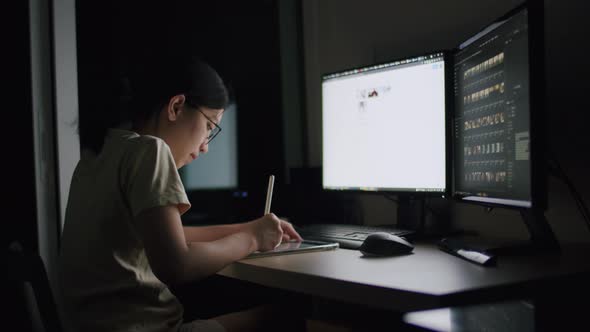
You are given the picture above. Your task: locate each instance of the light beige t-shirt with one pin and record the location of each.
(106, 281)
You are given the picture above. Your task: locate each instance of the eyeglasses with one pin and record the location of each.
(214, 131)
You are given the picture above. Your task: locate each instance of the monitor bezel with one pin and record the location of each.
(538, 165)
(446, 55)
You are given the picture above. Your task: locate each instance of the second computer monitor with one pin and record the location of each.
(499, 113)
(384, 127)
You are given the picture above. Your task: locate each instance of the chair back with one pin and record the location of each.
(28, 268)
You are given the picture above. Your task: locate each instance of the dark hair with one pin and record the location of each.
(148, 85)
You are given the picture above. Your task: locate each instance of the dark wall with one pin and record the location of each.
(18, 165)
(19, 221)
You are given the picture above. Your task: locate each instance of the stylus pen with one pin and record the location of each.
(271, 182)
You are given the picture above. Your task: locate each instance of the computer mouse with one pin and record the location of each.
(385, 244)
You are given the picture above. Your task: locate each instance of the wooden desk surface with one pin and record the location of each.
(427, 278)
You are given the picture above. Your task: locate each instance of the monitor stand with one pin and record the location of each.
(542, 237)
(411, 213)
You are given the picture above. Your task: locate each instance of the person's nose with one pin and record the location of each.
(204, 147)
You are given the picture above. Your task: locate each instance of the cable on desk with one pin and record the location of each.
(556, 170)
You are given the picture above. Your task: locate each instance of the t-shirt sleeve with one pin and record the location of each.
(152, 178)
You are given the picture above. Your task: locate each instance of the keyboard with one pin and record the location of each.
(347, 236)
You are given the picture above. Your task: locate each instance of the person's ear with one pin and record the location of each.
(175, 106)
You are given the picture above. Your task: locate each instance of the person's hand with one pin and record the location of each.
(289, 233)
(267, 232)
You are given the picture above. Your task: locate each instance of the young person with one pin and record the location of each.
(123, 241)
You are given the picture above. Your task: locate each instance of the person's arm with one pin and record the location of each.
(212, 233)
(175, 260)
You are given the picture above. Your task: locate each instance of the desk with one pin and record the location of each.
(426, 279)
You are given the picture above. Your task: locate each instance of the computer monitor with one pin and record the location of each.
(384, 127)
(498, 119)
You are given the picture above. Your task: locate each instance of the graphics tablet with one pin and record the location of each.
(296, 247)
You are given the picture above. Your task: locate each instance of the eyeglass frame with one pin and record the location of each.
(210, 138)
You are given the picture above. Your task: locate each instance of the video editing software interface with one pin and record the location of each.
(384, 127)
(492, 119)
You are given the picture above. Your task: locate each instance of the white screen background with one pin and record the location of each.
(385, 129)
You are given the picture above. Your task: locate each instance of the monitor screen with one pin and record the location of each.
(492, 120)
(384, 127)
